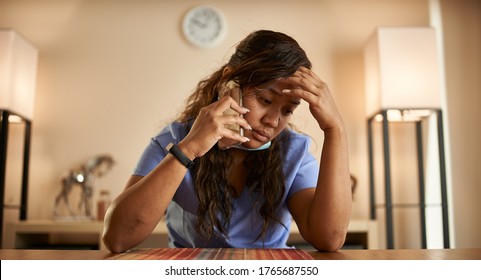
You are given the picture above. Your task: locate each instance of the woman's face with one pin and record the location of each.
(270, 112)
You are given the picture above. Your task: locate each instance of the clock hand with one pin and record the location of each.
(199, 23)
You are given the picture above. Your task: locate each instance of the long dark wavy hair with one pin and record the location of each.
(263, 56)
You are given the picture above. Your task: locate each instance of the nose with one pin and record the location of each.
(271, 118)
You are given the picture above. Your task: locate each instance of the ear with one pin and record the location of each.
(227, 70)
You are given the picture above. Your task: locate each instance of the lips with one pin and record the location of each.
(260, 135)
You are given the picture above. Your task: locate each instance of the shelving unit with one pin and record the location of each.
(4, 128)
(87, 234)
(419, 114)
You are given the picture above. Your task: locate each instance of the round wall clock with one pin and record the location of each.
(204, 26)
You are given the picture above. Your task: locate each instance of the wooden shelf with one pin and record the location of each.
(88, 234)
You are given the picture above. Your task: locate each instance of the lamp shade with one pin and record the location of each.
(18, 71)
(401, 69)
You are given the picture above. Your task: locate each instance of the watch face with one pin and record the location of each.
(204, 26)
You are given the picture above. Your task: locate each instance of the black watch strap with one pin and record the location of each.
(179, 155)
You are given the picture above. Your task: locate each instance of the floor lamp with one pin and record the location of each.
(18, 70)
(403, 85)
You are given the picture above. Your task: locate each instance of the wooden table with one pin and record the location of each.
(160, 253)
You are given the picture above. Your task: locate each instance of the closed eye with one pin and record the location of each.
(264, 101)
(289, 110)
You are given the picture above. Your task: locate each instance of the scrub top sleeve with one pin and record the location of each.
(307, 175)
(153, 154)
(156, 150)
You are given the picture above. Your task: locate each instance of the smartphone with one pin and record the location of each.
(232, 89)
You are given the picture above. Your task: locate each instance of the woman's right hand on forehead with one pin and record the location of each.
(209, 127)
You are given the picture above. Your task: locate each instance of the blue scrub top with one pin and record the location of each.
(300, 172)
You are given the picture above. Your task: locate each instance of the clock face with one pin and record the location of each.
(204, 26)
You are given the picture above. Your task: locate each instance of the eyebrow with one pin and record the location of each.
(295, 102)
(292, 101)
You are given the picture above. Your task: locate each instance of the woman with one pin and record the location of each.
(243, 187)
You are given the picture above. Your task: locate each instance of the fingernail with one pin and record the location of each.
(246, 139)
(245, 109)
(286, 91)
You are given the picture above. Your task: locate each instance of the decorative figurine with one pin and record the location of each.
(84, 176)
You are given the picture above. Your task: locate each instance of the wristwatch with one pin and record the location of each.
(179, 155)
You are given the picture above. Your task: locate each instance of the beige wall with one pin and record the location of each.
(111, 73)
(462, 43)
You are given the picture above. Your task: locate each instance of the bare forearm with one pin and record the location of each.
(330, 209)
(134, 214)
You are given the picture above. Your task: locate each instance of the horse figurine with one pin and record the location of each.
(84, 176)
